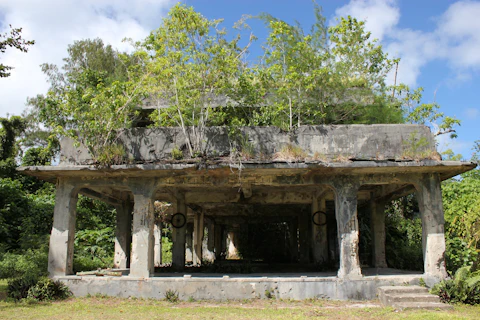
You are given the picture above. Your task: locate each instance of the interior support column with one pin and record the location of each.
(60, 255)
(218, 242)
(433, 234)
(157, 234)
(123, 235)
(189, 244)
(377, 226)
(198, 230)
(303, 233)
(178, 235)
(319, 231)
(232, 239)
(293, 231)
(210, 254)
(142, 264)
(346, 189)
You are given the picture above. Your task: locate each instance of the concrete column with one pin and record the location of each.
(293, 232)
(209, 250)
(157, 251)
(303, 234)
(433, 234)
(123, 235)
(218, 242)
(232, 252)
(189, 244)
(377, 226)
(60, 255)
(319, 232)
(347, 225)
(198, 230)
(142, 264)
(178, 235)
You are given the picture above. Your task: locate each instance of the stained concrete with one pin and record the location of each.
(239, 287)
(329, 142)
(345, 164)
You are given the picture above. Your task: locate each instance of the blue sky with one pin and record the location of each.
(437, 40)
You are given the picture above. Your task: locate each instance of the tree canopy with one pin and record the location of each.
(194, 73)
(13, 39)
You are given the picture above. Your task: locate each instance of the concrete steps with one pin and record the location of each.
(410, 297)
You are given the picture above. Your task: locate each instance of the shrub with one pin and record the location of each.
(171, 296)
(18, 288)
(463, 288)
(46, 290)
(459, 254)
(177, 154)
(112, 154)
(16, 265)
(93, 249)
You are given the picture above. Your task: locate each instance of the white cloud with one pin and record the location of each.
(456, 38)
(459, 27)
(381, 16)
(55, 24)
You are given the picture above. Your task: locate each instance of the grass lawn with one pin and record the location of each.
(116, 308)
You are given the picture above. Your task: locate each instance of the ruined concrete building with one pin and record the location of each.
(309, 185)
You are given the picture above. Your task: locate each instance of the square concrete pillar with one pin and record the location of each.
(198, 230)
(123, 235)
(433, 235)
(209, 242)
(232, 241)
(178, 235)
(142, 260)
(293, 237)
(347, 225)
(219, 242)
(189, 244)
(377, 226)
(319, 231)
(60, 255)
(157, 249)
(304, 237)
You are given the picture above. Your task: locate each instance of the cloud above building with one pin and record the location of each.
(56, 24)
(455, 37)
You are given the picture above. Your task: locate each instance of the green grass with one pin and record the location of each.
(116, 308)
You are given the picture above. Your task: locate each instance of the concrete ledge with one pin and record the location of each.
(237, 288)
(328, 142)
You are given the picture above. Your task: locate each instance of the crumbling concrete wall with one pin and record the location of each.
(324, 143)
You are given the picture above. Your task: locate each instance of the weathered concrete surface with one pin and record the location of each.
(179, 234)
(123, 235)
(216, 287)
(326, 143)
(347, 225)
(60, 257)
(377, 221)
(157, 234)
(319, 231)
(142, 264)
(433, 235)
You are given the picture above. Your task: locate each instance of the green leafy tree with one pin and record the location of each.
(462, 219)
(425, 113)
(192, 63)
(326, 76)
(92, 97)
(13, 39)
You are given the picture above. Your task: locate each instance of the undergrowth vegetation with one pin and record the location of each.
(463, 288)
